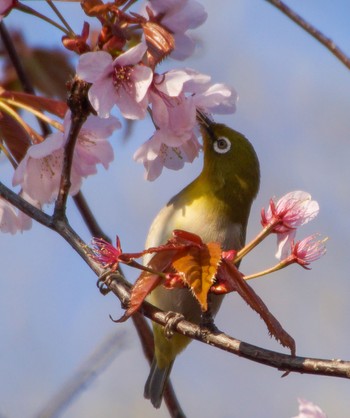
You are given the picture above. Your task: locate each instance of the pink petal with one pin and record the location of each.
(51, 144)
(171, 83)
(93, 65)
(185, 46)
(103, 96)
(99, 127)
(218, 98)
(129, 108)
(284, 242)
(8, 217)
(132, 56)
(188, 16)
(142, 77)
(308, 409)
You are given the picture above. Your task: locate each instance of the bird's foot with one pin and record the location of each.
(102, 283)
(172, 319)
(207, 322)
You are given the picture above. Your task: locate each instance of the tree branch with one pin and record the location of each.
(280, 361)
(62, 227)
(121, 288)
(80, 107)
(314, 32)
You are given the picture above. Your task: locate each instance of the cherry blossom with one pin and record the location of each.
(13, 220)
(155, 154)
(178, 16)
(40, 170)
(308, 409)
(105, 253)
(307, 250)
(39, 173)
(6, 6)
(291, 211)
(175, 96)
(123, 82)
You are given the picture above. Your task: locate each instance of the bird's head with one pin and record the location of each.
(231, 165)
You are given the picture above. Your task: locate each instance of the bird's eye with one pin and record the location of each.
(222, 145)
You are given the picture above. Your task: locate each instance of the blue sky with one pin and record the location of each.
(294, 107)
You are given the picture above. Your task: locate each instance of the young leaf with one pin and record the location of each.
(55, 107)
(199, 266)
(256, 303)
(14, 136)
(142, 287)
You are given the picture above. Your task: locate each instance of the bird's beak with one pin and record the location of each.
(205, 122)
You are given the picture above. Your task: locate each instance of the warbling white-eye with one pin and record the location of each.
(216, 207)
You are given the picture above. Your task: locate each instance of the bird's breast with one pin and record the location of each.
(205, 218)
(200, 217)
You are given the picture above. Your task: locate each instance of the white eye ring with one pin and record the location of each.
(222, 145)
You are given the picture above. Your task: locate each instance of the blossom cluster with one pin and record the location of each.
(172, 98)
(283, 218)
(123, 75)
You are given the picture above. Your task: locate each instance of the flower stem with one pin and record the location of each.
(254, 242)
(60, 16)
(277, 267)
(25, 9)
(135, 264)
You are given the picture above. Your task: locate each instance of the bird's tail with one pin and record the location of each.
(156, 382)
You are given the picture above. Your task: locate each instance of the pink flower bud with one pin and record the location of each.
(308, 250)
(291, 211)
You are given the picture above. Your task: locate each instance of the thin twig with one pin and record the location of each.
(60, 16)
(25, 207)
(80, 110)
(61, 201)
(26, 9)
(318, 35)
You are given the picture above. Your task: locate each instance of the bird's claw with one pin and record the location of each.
(103, 283)
(172, 319)
(207, 322)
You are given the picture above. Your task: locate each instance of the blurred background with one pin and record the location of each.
(294, 107)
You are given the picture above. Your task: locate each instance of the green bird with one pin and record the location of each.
(215, 206)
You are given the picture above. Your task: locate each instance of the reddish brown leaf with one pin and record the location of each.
(14, 136)
(55, 107)
(94, 8)
(142, 287)
(256, 303)
(49, 70)
(224, 282)
(184, 237)
(147, 281)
